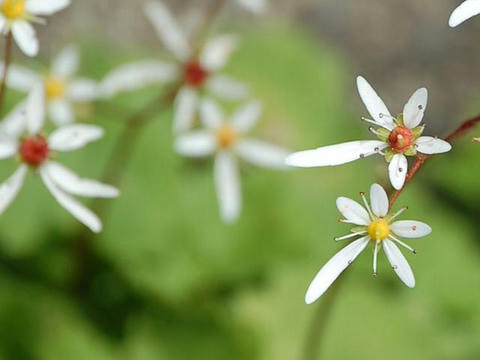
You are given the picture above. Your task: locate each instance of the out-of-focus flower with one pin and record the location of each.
(476, 139)
(195, 71)
(256, 6)
(21, 136)
(17, 15)
(398, 137)
(465, 11)
(375, 225)
(62, 88)
(226, 140)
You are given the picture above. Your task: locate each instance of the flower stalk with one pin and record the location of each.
(6, 65)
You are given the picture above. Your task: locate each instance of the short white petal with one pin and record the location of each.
(71, 137)
(397, 170)
(415, 108)
(65, 64)
(35, 109)
(333, 268)
(226, 87)
(9, 189)
(69, 182)
(8, 146)
(61, 112)
(15, 123)
(46, 7)
(227, 185)
(378, 200)
(21, 78)
(198, 143)
(79, 211)
(256, 6)
(168, 29)
(185, 107)
(25, 37)
(211, 114)
(335, 154)
(464, 12)
(410, 229)
(374, 104)
(246, 117)
(431, 145)
(353, 211)
(82, 90)
(262, 154)
(217, 52)
(3, 23)
(399, 263)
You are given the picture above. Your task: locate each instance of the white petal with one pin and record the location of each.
(415, 108)
(353, 211)
(464, 12)
(225, 87)
(9, 189)
(262, 154)
(185, 108)
(71, 137)
(168, 29)
(137, 75)
(410, 229)
(25, 36)
(3, 23)
(35, 109)
(333, 268)
(378, 200)
(43, 7)
(227, 185)
(399, 263)
(196, 144)
(256, 6)
(61, 112)
(217, 52)
(374, 104)
(80, 212)
(65, 64)
(15, 122)
(82, 90)
(335, 154)
(211, 114)
(69, 182)
(397, 170)
(246, 117)
(430, 145)
(21, 78)
(8, 146)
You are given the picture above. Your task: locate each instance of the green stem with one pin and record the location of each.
(6, 65)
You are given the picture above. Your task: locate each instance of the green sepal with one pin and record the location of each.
(399, 120)
(357, 229)
(382, 134)
(411, 151)
(418, 131)
(389, 153)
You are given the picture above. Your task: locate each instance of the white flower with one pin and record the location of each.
(226, 140)
(375, 225)
(62, 88)
(195, 71)
(21, 136)
(398, 137)
(465, 11)
(17, 15)
(256, 6)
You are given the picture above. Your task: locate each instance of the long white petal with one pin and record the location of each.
(226, 87)
(430, 145)
(8, 146)
(374, 104)
(61, 112)
(333, 268)
(25, 36)
(217, 52)
(9, 189)
(399, 263)
(353, 211)
(464, 12)
(256, 6)
(415, 108)
(15, 123)
(185, 108)
(21, 78)
(246, 117)
(335, 154)
(397, 170)
(82, 90)
(410, 229)
(79, 211)
(211, 114)
(44, 7)
(35, 109)
(65, 64)
(227, 185)
(72, 137)
(262, 154)
(378, 200)
(198, 143)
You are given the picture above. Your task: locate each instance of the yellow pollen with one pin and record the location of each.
(226, 136)
(378, 230)
(54, 88)
(13, 9)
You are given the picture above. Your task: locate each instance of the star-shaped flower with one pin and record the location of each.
(465, 11)
(17, 15)
(376, 226)
(399, 137)
(62, 88)
(21, 136)
(226, 141)
(195, 71)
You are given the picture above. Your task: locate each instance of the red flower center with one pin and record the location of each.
(34, 150)
(195, 74)
(400, 139)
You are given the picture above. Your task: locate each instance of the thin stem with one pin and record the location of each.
(6, 65)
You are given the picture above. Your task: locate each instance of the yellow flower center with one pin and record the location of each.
(13, 9)
(378, 230)
(54, 88)
(226, 136)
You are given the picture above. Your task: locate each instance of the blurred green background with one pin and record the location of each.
(167, 280)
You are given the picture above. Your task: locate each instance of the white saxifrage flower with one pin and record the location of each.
(399, 137)
(16, 16)
(21, 137)
(226, 141)
(465, 11)
(376, 226)
(195, 71)
(256, 6)
(62, 88)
